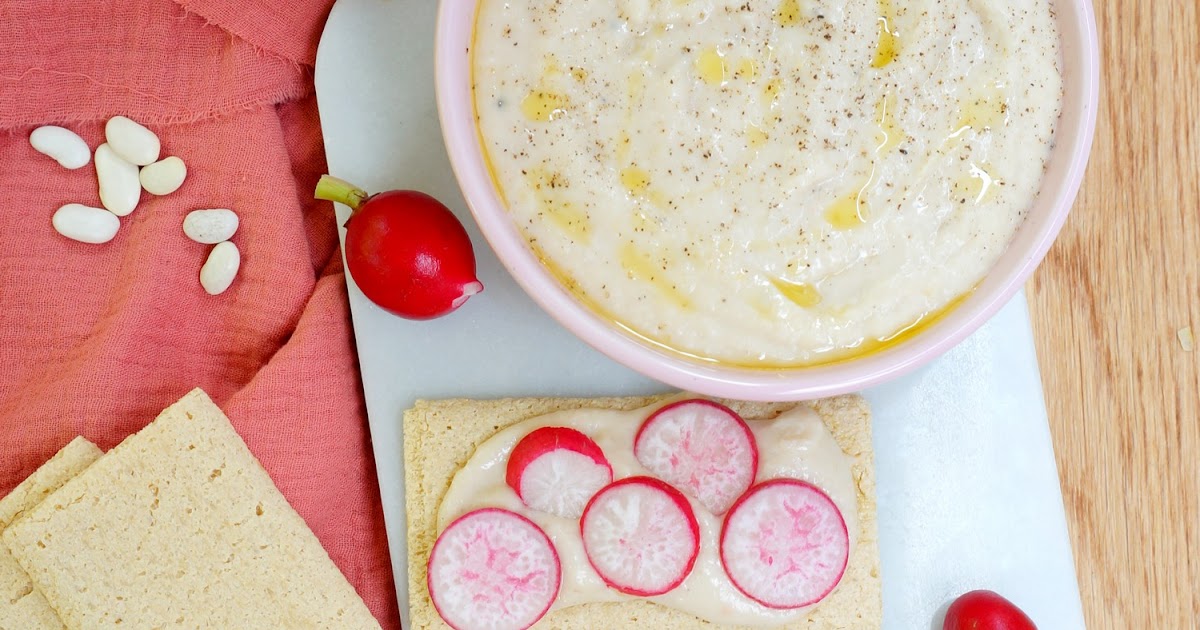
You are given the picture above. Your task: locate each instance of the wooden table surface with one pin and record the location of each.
(1123, 392)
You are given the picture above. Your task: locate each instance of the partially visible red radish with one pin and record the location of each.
(985, 610)
(702, 448)
(556, 470)
(641, 536)
(405, 250)
(784, 544)
(494, 569)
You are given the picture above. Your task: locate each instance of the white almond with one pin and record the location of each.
(164, 176)
(63, 145)
(210, 226)
(133, 142)
(221, 268)
(120, 188)
(85, 223)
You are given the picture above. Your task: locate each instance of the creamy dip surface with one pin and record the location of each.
(768, 183)
(794, 445)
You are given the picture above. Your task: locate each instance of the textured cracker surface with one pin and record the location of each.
(22, 606)
(67, 463)
(180, 526)
(440, 436)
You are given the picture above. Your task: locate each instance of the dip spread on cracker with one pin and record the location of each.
(658, 537)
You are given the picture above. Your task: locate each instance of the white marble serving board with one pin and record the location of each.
(968, 489)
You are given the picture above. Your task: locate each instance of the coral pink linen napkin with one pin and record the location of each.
(96, 339)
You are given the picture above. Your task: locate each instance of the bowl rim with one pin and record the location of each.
(456, 112)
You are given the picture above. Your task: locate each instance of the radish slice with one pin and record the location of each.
(702, 448)
(641, 536)
(493, 569)
(556, 470)
(784, 544)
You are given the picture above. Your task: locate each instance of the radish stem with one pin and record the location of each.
(340, 191)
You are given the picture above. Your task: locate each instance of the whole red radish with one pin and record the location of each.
(985, 610)
(406, 251)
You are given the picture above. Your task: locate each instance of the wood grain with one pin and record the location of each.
(1124, 277)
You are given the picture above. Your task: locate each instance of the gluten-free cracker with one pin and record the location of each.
(180, 526)
(440, 436)
(22, 605)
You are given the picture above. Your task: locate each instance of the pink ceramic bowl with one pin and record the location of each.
(1080, 66)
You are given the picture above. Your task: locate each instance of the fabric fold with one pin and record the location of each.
(290, 30)
(151, 60)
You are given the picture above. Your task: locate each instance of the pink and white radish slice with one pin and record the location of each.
(492, 569)
(784, 544)
(641, 536)
(702, 448)
(556, 470)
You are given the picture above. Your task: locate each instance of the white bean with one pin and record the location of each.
(210, 226)
(220, 269)
(164, 176)
(85, 224)
(133, 142)
(63, 145)
(120, 189)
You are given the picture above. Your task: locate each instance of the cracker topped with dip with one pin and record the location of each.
(561, 513)
(767, 183)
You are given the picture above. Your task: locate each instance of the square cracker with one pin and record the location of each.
(22, 606)
(50, 476)
(180, 526)
(440, 436)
